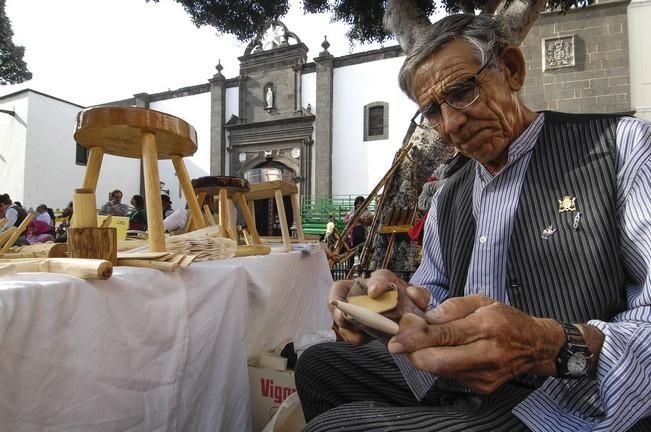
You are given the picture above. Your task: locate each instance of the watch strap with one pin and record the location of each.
(575, 344)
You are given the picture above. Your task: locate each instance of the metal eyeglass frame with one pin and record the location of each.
(474, 79)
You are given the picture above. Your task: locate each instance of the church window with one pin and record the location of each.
(81, 155)
(376, 121)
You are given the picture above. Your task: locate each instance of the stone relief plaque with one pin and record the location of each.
(296, 152)
(558, 52)
(242, 157)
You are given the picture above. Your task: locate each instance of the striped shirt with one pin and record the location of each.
(621, 394)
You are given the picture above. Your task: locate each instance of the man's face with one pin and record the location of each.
(483, 130)
(117, 198)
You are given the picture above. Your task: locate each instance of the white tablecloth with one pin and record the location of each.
(148, 350)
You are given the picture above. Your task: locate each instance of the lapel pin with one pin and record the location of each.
(568, 203)
(547, 232)
(577, 221)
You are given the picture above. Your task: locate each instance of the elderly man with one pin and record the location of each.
(536, 267)
(114, 206)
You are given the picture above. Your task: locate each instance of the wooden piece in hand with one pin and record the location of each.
(385, 302)
(368, 318)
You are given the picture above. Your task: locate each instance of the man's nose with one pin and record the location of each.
(451, 119)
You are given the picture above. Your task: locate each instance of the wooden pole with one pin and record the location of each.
(188, 191)
(84, 205)
(93, 165)
(282, 217)
(155, 228)
(14, 236)
(296, 209)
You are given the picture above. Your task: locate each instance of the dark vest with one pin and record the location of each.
(575, 274)
(22, 214)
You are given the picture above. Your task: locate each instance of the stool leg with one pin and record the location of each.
(188, 191)
(224, 214)
(284, 229)
(250, 223)
(95, 156)
(296, 209)
(155, 228)
(251, 205)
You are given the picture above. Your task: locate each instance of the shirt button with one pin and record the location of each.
(482, 239)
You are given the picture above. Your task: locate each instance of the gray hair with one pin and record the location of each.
(486, 33)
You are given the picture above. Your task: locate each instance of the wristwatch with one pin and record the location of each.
(574, 360)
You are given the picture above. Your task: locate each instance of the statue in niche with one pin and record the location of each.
(270, 98)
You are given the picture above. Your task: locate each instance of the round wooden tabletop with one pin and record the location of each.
(118, 130)
(212, 184)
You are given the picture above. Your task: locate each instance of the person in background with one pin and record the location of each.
(167, 205)
(359, 232)
(114, 207)
(138, 215)
(38, 231)
(61, 232)
(43, 215)
(329, 237)
(14, 213)
(177, 220)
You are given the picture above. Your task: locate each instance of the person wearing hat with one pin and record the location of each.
(167, 205)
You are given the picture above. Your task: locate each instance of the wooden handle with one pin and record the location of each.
(79, 267)
(85, 212)
(7, 235)
(106, 222)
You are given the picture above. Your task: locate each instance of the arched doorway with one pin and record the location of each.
(266, 212)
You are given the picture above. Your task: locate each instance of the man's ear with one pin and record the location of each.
(515, 66)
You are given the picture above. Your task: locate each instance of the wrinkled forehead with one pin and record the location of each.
(442, 69)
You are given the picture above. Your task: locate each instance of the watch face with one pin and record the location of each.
(577, 364)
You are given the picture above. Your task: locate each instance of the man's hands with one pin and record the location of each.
(480, 342)
(378, 283)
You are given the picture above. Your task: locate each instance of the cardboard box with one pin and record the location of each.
(268, 388)
(121, 223)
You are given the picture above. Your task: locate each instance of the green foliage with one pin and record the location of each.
(246, 18)
(13, 69)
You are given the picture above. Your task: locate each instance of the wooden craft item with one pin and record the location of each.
(143, 255)
(44, 250)
(244, 250)
(7, 269)
(5, 236)
(16, 233)
(97, 243)
(368, 318)
(384, 303)
(3, 221)
(106, 222)
(153, 264)
(78, 267)
(85, 214)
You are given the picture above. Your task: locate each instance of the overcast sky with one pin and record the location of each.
(95, 51)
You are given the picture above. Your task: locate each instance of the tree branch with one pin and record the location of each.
(405, 20)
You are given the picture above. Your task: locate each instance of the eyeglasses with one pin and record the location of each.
(459, 96)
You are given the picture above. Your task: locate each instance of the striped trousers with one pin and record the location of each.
(359, 388)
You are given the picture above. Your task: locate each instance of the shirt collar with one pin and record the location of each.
(521, 146)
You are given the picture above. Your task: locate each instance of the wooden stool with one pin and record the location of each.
(143, 134)
(277, 189)
(228, 189)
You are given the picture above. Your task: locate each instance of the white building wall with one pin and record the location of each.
(13, 138)
(231, 108)
(308, 93)
(308, 96)
(358, 165)
(195, 110)
(51, 174)
(639, 32)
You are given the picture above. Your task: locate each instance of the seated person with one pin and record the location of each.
(43, 215)
(138, 214)
(359, 231)
(13, 212)
(177, 221)
(167, 205)
(114, 207)
(38, 231)
(535, 283)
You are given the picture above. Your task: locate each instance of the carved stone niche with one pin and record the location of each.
(558, 52)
